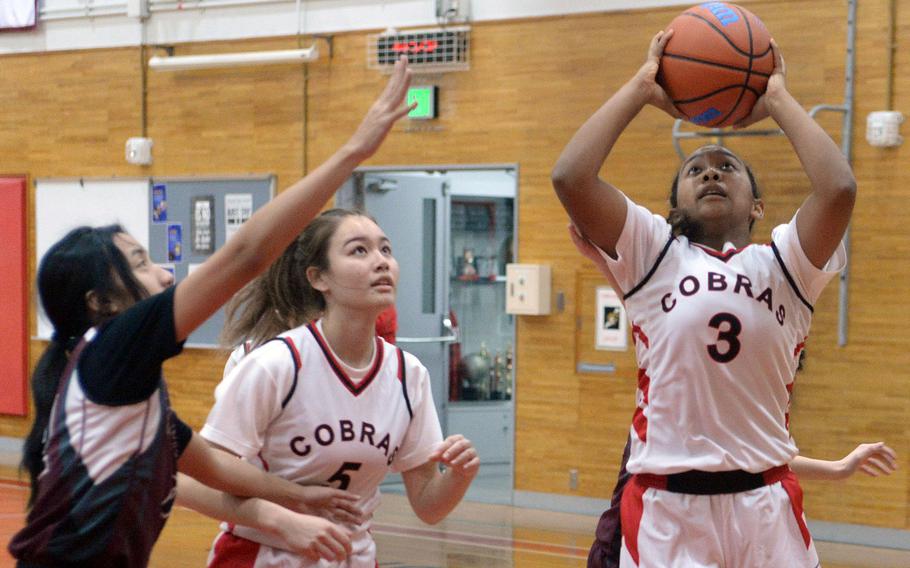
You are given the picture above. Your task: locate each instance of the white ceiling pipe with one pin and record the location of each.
(185, 5)
(185, 62)
(71, 10)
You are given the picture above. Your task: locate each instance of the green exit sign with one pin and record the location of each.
(425, 97)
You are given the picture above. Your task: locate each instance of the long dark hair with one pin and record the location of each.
(680, 221)
(282, 298)
(85, 260)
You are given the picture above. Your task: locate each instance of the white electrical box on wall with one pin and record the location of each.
(139, 151)
(883, 128)
(528, 289)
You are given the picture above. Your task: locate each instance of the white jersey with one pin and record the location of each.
(717, 339)
(316, 426)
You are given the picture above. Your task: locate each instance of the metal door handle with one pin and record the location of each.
(447, 328)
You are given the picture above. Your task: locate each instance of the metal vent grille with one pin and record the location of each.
(433, 50)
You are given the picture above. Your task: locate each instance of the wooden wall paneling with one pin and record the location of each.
(532, 83)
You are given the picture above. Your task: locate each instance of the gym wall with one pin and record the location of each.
(531, 84)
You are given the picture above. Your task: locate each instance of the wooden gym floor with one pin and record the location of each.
(474, 536)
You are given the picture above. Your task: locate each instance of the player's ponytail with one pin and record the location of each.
(85, 260)
(282, 298)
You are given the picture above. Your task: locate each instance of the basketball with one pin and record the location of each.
(717, 63)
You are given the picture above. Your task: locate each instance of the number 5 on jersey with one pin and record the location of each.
(341, 476)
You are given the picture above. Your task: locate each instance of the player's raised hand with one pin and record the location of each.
(458, 454)
(330, 503)
(386, 110)
(646, 77)
(872, 459)
(777, 86)
(313, 537)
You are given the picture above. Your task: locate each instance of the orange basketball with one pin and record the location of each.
(717, 63)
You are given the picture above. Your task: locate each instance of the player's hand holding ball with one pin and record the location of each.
(459, 456)
(646, 77)
(777, 87)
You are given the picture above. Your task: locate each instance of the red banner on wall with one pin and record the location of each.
(18, 14)
(13, 298)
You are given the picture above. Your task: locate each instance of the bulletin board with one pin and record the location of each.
(199, 216)
(181, 221)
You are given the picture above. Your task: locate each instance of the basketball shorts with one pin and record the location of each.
(232, 551)
(756, 528)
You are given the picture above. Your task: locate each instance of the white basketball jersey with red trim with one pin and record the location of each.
(717, 338)
(318, 427)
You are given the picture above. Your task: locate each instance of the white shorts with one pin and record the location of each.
(232, 551)
(757, 528)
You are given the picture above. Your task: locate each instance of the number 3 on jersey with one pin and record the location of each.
(730, 336)
(341, 476)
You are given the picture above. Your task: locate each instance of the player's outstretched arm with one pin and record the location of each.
(597, 208)
(225, 472)
(266, 234)
(309, 536)
(432, 493)
(872, 459)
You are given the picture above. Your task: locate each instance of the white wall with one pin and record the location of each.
(83, 24)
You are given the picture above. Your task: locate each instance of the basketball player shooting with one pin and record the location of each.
(721, 322)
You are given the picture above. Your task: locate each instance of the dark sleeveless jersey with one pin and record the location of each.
(110, 459)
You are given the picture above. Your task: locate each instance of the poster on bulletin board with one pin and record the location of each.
(611, 327)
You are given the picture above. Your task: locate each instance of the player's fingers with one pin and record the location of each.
(890, 454)
(472, 465)
(662, 39)
(397, 73)
(350, 513)
(879, 465)
(330, 549)
(456, 448)
(400, 87)
(868, 470)
(344, 496)
(340, 539)
(311, 553)
(440, 448)
(779, 64)
(321, 551)
(340, 516)
(456, 452)
(887, 459)
(403, 111)
(462, 459)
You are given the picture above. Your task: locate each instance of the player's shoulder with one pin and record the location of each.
(414, 369)
(277, 355)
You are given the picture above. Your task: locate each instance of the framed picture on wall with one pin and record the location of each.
(610, 329)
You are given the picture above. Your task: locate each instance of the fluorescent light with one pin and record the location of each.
(185, 62)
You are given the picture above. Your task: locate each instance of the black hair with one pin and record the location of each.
(85, 260)
(684, 225)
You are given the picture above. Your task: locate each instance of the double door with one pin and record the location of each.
(452, 234)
